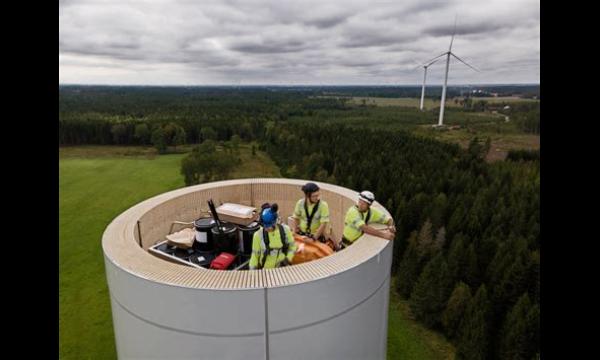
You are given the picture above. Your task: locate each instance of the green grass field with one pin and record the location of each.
(92, 191)
(96, 184)
(407, 339)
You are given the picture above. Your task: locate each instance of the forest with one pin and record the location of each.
(467, 247)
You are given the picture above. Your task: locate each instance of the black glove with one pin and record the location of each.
(285, 262)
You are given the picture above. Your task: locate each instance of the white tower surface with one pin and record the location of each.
(331, 308)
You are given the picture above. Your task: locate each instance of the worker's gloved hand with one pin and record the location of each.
(285, 262)
(392, 229)
(389, 235)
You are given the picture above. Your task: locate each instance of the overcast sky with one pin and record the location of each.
(313, 42)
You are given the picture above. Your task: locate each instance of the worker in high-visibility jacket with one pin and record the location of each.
(359, 216)
(273, 244)
(311, 214)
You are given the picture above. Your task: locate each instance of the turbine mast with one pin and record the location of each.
(423, 89)
(441, 119)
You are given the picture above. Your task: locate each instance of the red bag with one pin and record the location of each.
(222, 261)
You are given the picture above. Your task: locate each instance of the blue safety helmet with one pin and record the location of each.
(268, 217)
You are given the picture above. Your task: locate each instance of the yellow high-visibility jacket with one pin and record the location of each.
(321, 216)
(276, 255)
(355, 219)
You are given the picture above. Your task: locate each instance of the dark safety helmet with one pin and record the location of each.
(310, 188)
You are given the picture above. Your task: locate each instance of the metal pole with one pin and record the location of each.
(139, 233)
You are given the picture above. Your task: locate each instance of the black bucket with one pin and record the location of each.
(245, 234)
(204, 237)
(225, 240)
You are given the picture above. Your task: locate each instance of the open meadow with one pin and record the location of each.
(429, 103)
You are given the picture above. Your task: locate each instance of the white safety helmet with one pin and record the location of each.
(367, 197)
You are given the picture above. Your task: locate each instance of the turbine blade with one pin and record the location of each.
(430, 61)
(417, 65)
(439, 56)
(453, 33)
(462, 61)
(433, 61)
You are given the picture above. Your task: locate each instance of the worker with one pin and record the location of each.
(359, 216)
(273, 244)
(311, 214)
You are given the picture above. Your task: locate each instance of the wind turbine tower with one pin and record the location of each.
(447, 54)
(424, 80)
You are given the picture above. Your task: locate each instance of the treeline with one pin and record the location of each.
(112, 115)
(433, 91)
(523, 155)
(206, 163)
(526, 116)
(107, 130)
(466, 253)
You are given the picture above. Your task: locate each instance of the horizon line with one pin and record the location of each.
(295, 85)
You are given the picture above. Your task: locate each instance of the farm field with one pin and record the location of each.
(429, 103)
(501, 143)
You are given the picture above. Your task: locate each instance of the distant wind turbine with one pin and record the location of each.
(424, 81)
(447, 54)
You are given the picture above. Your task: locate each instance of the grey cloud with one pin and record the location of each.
(327, 22)
(268, 41)
(374, 39)
(270, 47)
(422, 6)
(463, 29)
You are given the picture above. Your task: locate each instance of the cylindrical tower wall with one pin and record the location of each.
(335, 307)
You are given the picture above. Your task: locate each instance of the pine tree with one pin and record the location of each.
(514, 282)
(455, 309)
(158, 140)
(425, 240)
(472, 275)
(431, 292)
(518, 337)
(409, 268)
(457, 257)
(440, 240)
(473, 340)
(438, 210)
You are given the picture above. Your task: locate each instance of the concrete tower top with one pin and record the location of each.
(121, 240)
